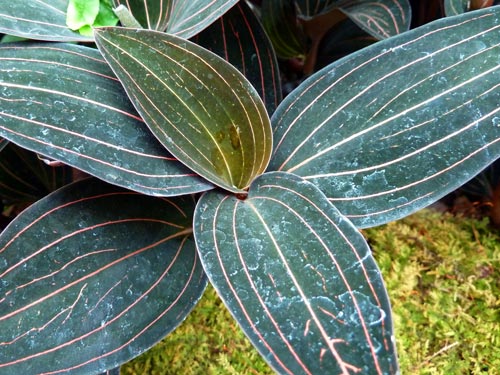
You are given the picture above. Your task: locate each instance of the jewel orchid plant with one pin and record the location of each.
(197, 171)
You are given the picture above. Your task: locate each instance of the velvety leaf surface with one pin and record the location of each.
(93, 275)
(63, 101)
(298, 277)
(25, 178)
(382, 19)
(201, 108)
(240, 39)
(422, 121)
(40, 19)
(182, 18)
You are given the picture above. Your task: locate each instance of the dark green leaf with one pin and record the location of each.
(106, 15)
(40, 19)
(25, 178)
(396, 126)
(310, 8)
(341, 40)
(181, 18)
(93, 275)
(63, 101)
(11, 39)
(455, 7)
(279, 18)
(84, 14)
(151, 14)
(201, 108)
(381, 19)
(298, 277)
(297, 26)
(239, 38)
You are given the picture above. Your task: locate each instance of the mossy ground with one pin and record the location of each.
(443, 277)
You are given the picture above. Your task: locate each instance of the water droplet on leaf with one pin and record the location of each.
(234, 134)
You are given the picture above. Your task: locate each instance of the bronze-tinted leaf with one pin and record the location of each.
(201, 108)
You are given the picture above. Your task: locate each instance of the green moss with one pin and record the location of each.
(207, 342)
(443, 277)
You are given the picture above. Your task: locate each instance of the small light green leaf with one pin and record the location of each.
(106, 16)
(81, 13)
(93, 275)
(40, 19)
(394, 127)
(201, 108)
(298, 277)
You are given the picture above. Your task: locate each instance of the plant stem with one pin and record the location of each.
(126, 17)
